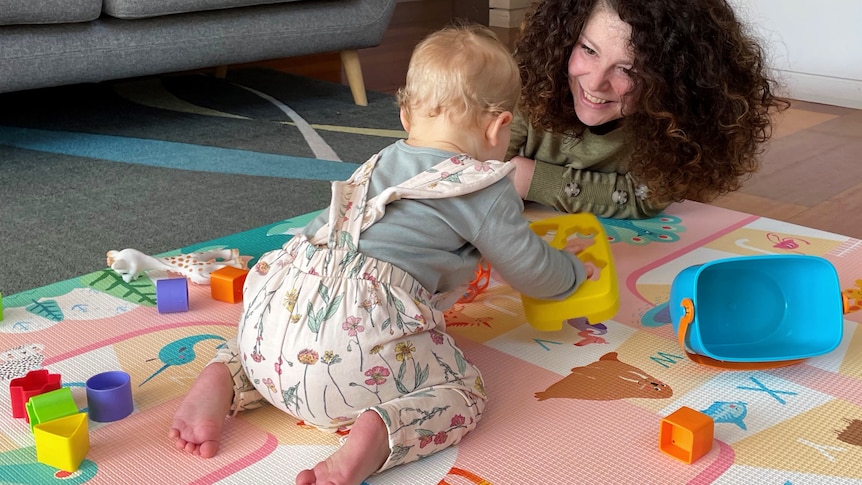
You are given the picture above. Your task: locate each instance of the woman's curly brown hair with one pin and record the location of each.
(705, 103)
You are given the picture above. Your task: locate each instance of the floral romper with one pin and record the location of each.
(327, 332)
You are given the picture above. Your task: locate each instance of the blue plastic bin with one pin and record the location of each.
(760, 308)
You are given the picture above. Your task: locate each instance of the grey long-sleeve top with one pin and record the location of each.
(440, 241)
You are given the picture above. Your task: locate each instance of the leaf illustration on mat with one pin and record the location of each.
(48, 309)
(141, 291)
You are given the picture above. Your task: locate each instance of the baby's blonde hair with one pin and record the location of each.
(462, 72)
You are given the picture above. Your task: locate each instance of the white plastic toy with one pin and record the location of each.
(130, 263)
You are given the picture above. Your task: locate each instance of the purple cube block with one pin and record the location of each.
(172, 295)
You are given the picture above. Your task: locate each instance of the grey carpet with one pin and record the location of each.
(60, 212)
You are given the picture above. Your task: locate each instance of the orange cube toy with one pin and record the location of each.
(686, 434)
(226, 284)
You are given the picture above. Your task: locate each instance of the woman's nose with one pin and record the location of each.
(596, 82)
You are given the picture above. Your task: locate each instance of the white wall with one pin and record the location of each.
(814, 45)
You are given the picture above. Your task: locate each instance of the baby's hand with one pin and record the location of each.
(576, 244)
(593, 271)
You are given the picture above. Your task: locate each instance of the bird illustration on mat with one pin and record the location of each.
(180, 352)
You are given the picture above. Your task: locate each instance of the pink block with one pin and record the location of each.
(34, 383)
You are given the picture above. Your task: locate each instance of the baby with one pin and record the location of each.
(343, 326)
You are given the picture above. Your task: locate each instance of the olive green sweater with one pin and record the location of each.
(588, 173)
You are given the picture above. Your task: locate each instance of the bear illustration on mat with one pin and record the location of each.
(607, 379)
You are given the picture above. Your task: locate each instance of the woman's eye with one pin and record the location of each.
(588, 50)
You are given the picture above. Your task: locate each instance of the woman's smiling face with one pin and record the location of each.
(599, 68)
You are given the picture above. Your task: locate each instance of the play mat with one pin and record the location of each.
(582, 405)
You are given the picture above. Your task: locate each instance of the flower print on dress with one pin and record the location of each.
(376, 377)
(353, 326)
(369, 304)
(330, 358)
(262, 268)
(277, 365)
(404, 354)
(290, 299)
(270, 384)
(483, 167)
(436, 336)
(308, 357)
(479, 385)
(404, 351)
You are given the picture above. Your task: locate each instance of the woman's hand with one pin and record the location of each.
(522, 176)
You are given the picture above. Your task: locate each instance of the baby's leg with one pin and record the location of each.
(197, 423)
(364, 452)
(417, 424)
(430, 420)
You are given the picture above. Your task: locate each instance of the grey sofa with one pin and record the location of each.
(47, 43)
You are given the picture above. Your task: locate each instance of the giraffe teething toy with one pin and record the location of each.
(130, 263)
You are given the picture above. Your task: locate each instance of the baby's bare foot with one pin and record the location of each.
(364, 452)
(198, 421)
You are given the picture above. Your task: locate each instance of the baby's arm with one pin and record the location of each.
(523, 259)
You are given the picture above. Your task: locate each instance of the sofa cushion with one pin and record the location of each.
(136, 9)
(49, 11)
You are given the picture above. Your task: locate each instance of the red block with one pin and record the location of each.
(34, 383)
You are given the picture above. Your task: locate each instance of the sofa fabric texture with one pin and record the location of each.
(14, 12)
(138, 9)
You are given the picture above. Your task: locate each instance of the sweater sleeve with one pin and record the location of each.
(524, 260)
(584, 173)
(611, 195)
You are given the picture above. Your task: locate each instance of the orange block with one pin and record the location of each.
(686, 434)
(226, 284)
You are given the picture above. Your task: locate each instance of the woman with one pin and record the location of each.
(630, 105)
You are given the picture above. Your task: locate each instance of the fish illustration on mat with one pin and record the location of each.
(728, 412)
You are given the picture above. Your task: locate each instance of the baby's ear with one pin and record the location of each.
(405, 123)
(499, 122)
(506, 117)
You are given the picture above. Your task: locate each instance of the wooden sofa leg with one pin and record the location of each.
(353, 71)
